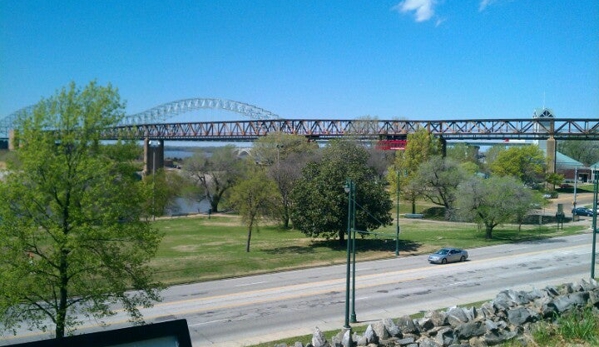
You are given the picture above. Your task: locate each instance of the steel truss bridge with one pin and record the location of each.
(151, 124)
(250, 130)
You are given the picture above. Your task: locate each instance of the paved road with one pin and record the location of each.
(567, 199)
(254, 309)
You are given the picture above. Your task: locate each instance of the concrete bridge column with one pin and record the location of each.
(551, 154)
(153, 155)
(443, 147)
(11, 140)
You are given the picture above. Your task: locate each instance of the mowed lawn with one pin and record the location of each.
(199, 248)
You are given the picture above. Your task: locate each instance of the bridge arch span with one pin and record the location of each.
(164, 111)
(171, 109)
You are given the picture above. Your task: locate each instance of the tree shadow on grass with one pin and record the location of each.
(370, 244)
(362, 245)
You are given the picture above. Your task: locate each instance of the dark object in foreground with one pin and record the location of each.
(166, 334)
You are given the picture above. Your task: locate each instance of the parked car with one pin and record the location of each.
(582, 211)
(448, 255)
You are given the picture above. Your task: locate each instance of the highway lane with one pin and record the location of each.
(248, 310)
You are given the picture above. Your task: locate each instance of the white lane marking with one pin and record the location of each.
(210, 322)
(249, 284)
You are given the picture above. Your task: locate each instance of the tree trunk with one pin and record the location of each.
(247, 245)
(488, 231)
(447, 214)
(214, 205)
(61, 312)
(286, 217)
(341, 237)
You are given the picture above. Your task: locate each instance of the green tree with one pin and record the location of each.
(253, 197)
(74, 234)
(214, 175)
(527, 163)
(439, 178)
(490, 156)
(463, 153)
(320, 201)
(493, 201)
(420, 147)
(554, 179)
(586, 152)
(165, 187)
(284, 156)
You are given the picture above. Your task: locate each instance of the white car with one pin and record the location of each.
(448, 255)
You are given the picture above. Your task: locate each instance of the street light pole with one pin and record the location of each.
(153, 146)
(594, 208)
(348, 185)
(353, 227)
(397, 215)
(153, 183)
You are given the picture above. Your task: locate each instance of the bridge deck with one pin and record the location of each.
(489, 129)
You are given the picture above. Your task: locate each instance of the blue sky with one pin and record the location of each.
(412, 59)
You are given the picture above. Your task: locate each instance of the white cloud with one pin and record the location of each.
(484, 3)
(424, 9)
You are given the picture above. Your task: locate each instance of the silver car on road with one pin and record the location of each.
(448, 255)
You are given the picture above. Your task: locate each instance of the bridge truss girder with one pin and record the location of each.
(529, 129)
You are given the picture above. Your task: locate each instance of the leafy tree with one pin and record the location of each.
(439, 179)
(586, 152)
(320, 202)
(74, 234)
(493, 201)
(463, 153)
(165, 187)
(470, 167)
(253, 198)
(420, 147)
(214, 175)
(490, 156)
(380, 160)
(527, 163)
(284, 156)
(554, 179)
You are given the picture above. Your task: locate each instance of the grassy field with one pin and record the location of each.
(199, 248)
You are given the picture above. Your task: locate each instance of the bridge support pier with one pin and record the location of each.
(153, 155)
(551, 154)
(12, 140)
(443, 147)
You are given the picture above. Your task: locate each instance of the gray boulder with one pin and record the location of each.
(568, 302)
(428, 342)
(467, 330)
(493, 338)
(438, 318)
(391, 327)
(456, 316)
(380, 331)
(370, 335)
(347, 341)
(519, 316)
(318, 339)
(445, 337)
(406, 325)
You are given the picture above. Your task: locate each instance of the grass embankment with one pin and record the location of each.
(198, 249)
